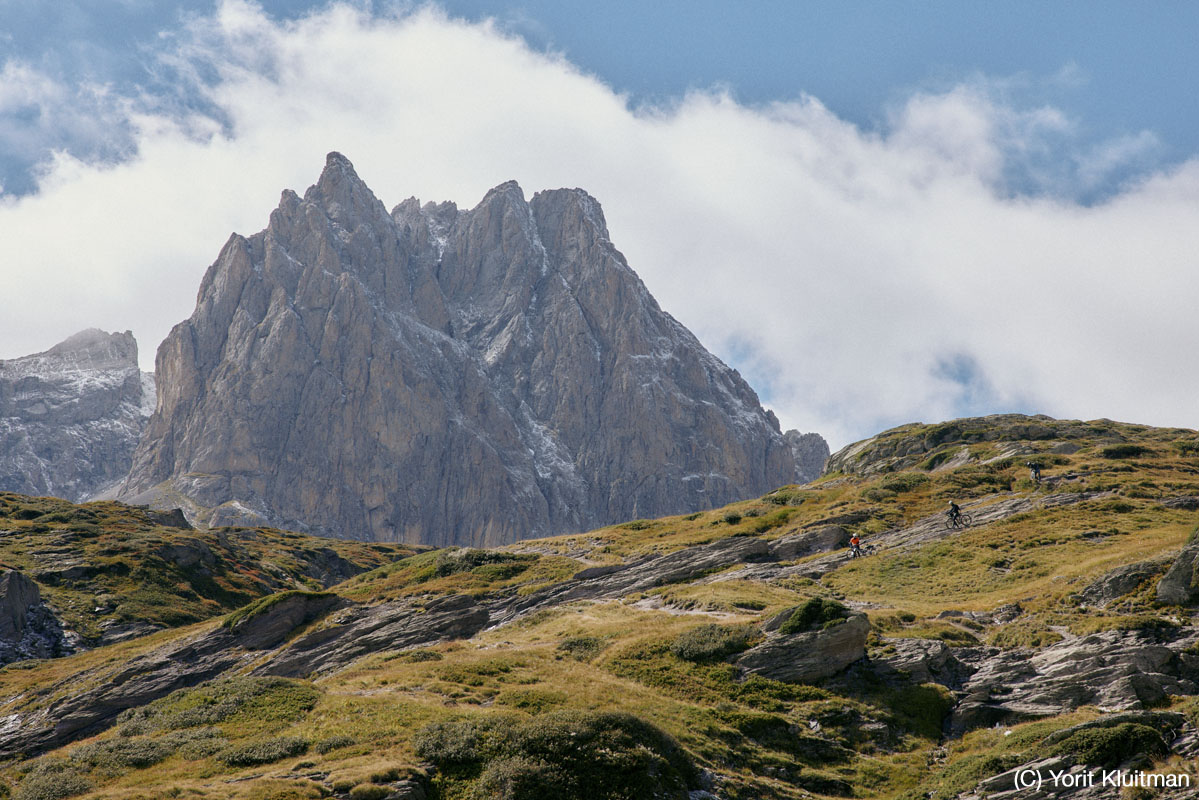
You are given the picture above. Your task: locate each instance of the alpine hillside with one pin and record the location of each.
(444, 377)
(731, 654)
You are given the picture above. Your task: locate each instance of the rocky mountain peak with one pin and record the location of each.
(443, 376)
(71, 416)
(96, 349)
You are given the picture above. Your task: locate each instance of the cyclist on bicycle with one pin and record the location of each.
(954, 512)
(855, 546)
(1034, 471)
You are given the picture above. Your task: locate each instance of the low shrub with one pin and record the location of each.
(814, 613)
(263, 751)
(273, 699)
(563, 755)
(710, 642)
(581, 648)
(333, 743)
(495, 565)
(121, 753)
(903, 482)
(1110, 747)
(1124, 451)
(45, 786)
(732, 518)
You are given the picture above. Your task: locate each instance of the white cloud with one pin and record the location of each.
(862, 278)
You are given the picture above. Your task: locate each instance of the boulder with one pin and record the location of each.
(1121, 581)
(807, 656)
(1180, 585)
(28, 629)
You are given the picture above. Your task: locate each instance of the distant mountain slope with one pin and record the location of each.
(71, 417)
(443, 376)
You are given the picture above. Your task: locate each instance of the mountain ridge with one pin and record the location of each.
(511, 340)
(71, 416)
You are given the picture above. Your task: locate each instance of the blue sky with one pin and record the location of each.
(877, 211)
(1118, 69)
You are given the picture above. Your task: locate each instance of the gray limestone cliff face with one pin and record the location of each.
(443, 376)
(71, 417)
(810, 451)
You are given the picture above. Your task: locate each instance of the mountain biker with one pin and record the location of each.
(855, 546)
(954, 512)
(1034, 471)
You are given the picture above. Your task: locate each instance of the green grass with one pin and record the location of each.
(637, 687)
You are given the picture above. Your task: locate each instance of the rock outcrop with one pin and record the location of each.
(70, 417)
(443, 376)
(806, 656)
(1180, 585)
(1114, 670)
(28, 629)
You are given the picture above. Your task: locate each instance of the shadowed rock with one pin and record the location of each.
(806, 656)
(1180, 585)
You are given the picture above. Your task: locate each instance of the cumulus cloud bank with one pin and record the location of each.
(857, 278)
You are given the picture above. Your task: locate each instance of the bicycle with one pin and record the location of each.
(860, 552)
(958, 522)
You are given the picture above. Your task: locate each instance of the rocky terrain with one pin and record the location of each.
(446, 377)
(731, 653)
(71, 417)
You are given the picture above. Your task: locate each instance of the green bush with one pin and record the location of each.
(52, 779)
(1110, 747)
(710, 642)
(581, 648)
(903, 482)
(333, 743)
(965, 773)
(263, 751)
(732, 517)
(505, 564)
(271, 699)
(1124, 451)
(52, 787)
(121, 753)
(563, 755)
(814, 613)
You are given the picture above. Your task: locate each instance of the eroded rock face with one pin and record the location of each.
(810, 655)
(810, 451)
(443, 376)
(1113, 670)
(1180, 584)
(71, 417)
(28, 629)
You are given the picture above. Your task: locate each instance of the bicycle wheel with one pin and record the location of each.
(965, 521)
(950, 524)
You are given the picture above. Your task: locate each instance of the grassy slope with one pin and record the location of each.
(361, 723)
(108, 563)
